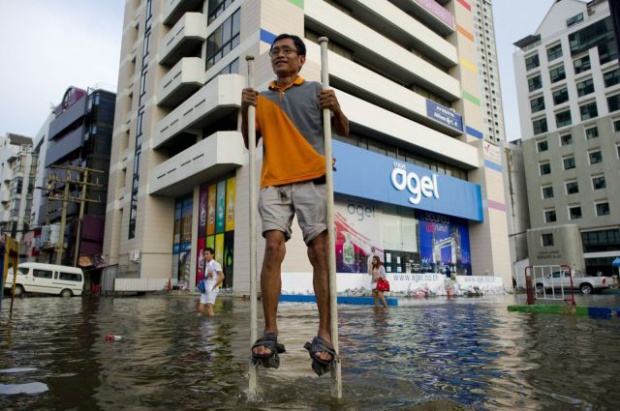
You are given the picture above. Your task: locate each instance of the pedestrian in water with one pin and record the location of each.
(214, 277)
(289, 120)
(379, 282)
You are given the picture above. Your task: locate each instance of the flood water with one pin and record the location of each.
(438, 354)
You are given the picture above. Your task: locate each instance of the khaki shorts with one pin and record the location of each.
(278, 205)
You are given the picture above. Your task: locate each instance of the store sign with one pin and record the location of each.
(365, 174)
(444, 115)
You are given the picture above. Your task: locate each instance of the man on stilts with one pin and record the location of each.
(289, 119)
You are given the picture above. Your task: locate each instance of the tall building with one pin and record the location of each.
(488, 70)
(568, 85)
(429, 195)
(78, 136)
(15, 184)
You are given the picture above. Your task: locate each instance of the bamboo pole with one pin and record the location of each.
(333, 292)
(252, 386)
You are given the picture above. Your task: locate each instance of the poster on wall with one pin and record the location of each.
(186, 221)
(219, 248)
(175, 263)
(229, 258)
(230, 204)
(200, 245)
(220, 207)
(185, 256)
(177, 223)
(444, 244)
(202, 212)
(211, 209)
(210, 242)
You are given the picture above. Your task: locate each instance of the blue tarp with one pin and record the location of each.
(616, 262)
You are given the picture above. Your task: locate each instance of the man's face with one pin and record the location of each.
(284, 58)
(208, 256)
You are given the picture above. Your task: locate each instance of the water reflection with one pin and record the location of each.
(434, 355)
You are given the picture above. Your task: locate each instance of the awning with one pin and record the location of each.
(616, 262)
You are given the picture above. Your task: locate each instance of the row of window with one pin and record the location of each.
(567, 139)
(594, 157)
(593, 241)
(558, 73)
(587, 111)
(572, 187)
(224, 39)
(574, 212)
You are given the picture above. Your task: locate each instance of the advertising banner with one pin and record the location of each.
(444, 244)
(219, 248)
(202, 212)
(211, 209)
(200, 275)
(220, 207)
(444, 115)
(230, 204)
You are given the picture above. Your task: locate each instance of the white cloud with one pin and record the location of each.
(48, 46)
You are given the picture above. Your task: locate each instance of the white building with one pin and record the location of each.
(15, 183)
(568, 87)
(406, 74)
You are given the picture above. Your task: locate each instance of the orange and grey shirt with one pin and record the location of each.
(290, 122)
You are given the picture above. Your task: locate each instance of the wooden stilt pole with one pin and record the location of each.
(333, 292)
(252, 386)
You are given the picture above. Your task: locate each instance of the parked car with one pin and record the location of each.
(559, 279)
(47, 279)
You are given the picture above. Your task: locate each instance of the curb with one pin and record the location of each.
(592, 312)
(293, 298)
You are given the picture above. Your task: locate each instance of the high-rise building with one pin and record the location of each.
(415, 180)
(568, 85)
(15, 184)
(488, 70)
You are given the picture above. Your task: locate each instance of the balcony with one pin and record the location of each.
(213, 156)
(377, 50)
(4, 195)
(68, 117)
(429, 12)
(174, 9)
(5, 216)
(181, 81)
(216, 99)
(183, 39)
(70, 142)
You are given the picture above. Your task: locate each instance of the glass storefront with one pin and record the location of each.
(182, 243)
(216, 226)
(406, 240)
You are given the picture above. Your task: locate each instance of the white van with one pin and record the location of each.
(48, 279)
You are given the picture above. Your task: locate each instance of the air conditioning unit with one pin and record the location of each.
(134, 256)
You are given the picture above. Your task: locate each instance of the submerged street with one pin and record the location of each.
(451, 354)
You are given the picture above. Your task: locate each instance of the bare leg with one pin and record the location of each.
(271, 281)
(210, 312)
(375, 297)
(318, 254)
(382, 297)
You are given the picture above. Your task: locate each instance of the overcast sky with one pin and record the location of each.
(49, 45)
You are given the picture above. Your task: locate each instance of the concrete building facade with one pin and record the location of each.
(16, 185)
(568, 84)
(405, 73)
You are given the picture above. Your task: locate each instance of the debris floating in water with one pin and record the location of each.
(28, 388)
(112, 337)
(16, 370)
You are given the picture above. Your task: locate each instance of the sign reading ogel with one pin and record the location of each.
(418, 187)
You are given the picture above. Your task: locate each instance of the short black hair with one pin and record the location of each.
(299, 43)
(211, 250)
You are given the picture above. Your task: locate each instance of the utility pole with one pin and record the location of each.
(82, 182)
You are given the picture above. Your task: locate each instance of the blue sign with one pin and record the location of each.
(444, 115)
(365, 174)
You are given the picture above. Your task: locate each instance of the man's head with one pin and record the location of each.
(209, 253)
(288, 55)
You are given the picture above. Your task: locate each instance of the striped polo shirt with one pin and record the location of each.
(290, 122)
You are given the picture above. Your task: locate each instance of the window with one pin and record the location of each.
(611, 78)
(591, 133)
(574, 212)
(585, 87)
(574, 20)
(613, 103)
(557, 74)
(69, 277)
(540, 126)
(569, 163)
(550, 216)
(566, 140)
(582, 64)
(224, 39)
(547, 192)
(42, 273)
(554, 52)
(598, 182)
(602, 209)
(572, 187)
(563, 119)
(542, 146)
(534, 83)
(545, 168)
(547, 240)
(560, 96)
(595, 157)
(588, 110)
(603, 240)
(537, 104)
(532, 62)
(232, 68)
(217, 7)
